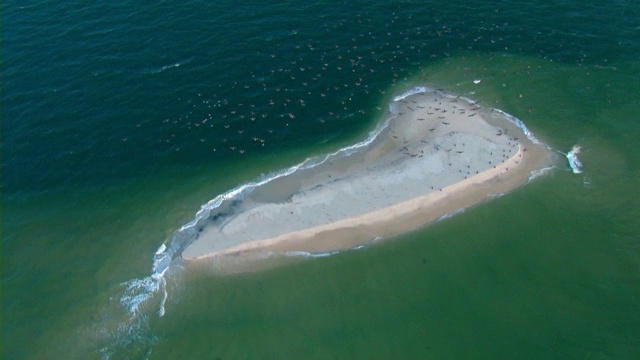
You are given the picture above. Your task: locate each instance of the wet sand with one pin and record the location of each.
(437, 153)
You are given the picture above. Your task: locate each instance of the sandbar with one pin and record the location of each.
(432, 154)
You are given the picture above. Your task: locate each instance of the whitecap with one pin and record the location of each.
(574, 162)
(414, 91)
(539, 172)
(451, 214)
(514, 120)
(309, 254)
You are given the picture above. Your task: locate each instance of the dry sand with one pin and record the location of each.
(439, 154)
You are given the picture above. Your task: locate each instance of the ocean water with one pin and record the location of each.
(119, 120)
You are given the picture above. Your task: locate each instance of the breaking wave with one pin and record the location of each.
(520, 124)
(574, 162)
(538, 173)
(414, 91)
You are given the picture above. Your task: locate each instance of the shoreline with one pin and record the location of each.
(439, 154)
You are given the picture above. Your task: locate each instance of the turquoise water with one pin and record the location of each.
(119, 120)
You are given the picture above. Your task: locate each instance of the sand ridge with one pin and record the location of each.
(438, 154)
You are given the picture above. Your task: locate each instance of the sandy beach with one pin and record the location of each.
(432, 155)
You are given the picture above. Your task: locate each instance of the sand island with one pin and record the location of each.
(433, 154)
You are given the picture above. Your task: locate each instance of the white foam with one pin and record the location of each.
(140, 291)
(574, 162)
(161, 249)
(309, 255)
(522, 127)
(496, 196)
(135, 330)
(163, 283)
(414, 91)
(323, 254)
(539, 172)
(451, 214)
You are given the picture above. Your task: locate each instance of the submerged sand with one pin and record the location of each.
(434, 154)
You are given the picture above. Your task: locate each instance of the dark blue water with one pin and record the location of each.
(120, 119)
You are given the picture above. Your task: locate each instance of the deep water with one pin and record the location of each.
(119, 120)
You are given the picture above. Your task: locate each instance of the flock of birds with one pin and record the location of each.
(306, 86)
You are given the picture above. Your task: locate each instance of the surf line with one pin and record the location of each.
(572, 156)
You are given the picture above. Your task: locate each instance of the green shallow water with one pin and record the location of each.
(442, 293)
(551, 270)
